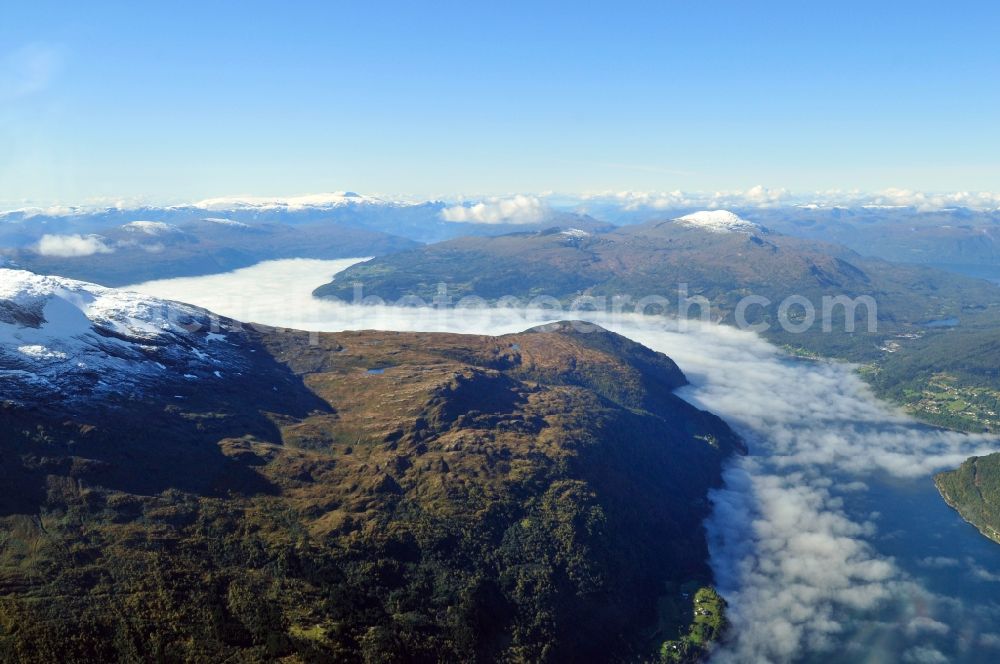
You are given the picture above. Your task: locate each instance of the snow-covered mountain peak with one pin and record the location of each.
(66, 338)
(718, 221)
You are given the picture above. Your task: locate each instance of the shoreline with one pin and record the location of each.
(950, 502)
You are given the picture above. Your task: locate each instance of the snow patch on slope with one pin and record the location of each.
(221, 221)
(718, 221)
(149, 227)
(67, 339)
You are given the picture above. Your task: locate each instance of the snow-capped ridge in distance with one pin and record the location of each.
(575, 232)
(74, 341)
(718, 221)
(149, 227)
(24, 213)
(324, 200)
(226, 222)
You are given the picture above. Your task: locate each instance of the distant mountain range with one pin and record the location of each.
(120, 246)
(718, 256)
(187, 487)
(422, 222)
(959, 239)
(774, 252)
(143, 250)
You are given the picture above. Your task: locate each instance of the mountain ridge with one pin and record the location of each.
(921, 312)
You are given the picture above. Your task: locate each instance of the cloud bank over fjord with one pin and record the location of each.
(797, 566)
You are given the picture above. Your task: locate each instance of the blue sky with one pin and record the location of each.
(182, 101)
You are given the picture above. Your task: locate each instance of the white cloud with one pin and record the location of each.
(758, 196)
(926, 624)
(763, 197)
(924, 655)
(981, 572)
(939, 562)
(67, 246)
(925, 201)
(519, 209)
(989, 640)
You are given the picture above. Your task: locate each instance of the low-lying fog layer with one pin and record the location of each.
(828, 541)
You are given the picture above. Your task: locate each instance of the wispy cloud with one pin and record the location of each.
(924, 655)
(29, 70)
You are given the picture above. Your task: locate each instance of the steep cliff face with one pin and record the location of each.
(363, 496)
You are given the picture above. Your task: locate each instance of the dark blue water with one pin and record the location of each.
(988, 272)
(944, 322)
(957, 566)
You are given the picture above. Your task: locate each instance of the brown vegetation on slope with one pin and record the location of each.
(377, 496)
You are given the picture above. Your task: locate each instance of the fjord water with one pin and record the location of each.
(988, 272)
(828, 540)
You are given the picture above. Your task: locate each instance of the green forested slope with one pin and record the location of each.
(974, 490)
